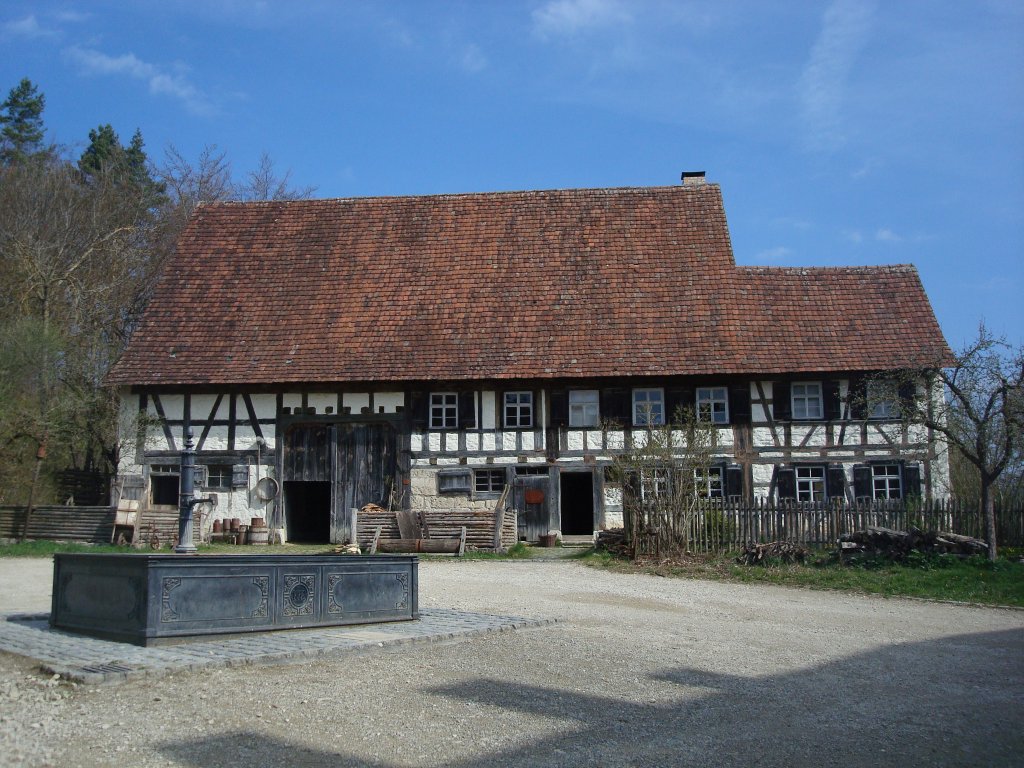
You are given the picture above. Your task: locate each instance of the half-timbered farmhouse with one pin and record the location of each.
(425, 352)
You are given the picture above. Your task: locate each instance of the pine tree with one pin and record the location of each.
(22, 121)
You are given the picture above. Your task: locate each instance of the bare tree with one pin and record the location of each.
(979, 411)
(264, 184)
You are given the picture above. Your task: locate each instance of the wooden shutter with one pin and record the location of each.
(467, 410)
(782, 403)
(739, 404)
(835, 483)
(832, 404)
(911, 480)
(733, 481)
(677, 401)
(785, 482)
(559, 408)
(862, 482)
(419, 406)
(617, 404)
(858, 398)
(908, 397)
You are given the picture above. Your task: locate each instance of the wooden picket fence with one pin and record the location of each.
(714, 526)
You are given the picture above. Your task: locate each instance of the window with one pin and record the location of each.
(883, 400)
(219, 477)
(885, 481)
(653, 484)
(648, 407)
(519, 409)
(810, 483)
(488, 480)
(164, 484)
(453, 482)
(444, 410)
(707, 483)
(583, 408)
(713, 404)
(807, 403)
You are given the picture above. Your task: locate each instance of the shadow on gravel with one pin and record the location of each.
(957, 701)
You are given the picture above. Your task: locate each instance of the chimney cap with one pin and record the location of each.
(692, 177)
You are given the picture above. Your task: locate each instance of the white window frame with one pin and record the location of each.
(649, 407)
(886, 481)
(810, 483)
(709, 482)
(654, 483)
(219, 477)
(444, 410)
(713, 404)
(804, 395)
(584, 408)
(517, 410)
(883, 400)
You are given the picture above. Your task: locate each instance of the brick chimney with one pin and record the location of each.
(693, 178)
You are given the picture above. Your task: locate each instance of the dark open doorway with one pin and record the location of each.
(308, 511)
(577, 496)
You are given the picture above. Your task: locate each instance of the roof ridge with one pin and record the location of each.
(457, 195)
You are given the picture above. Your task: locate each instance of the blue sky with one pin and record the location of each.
(841, 132)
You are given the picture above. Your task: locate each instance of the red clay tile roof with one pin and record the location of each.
(571, 283)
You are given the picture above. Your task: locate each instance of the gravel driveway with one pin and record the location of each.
(639, 671)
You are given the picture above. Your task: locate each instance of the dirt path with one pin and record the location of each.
(640, 671)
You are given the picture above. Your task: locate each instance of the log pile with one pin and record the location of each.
(886, 542)
(613, 540)
(437, 524)
(781, 551)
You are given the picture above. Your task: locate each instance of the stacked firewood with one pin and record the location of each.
(898, 544)
(780, 551)
(613, 540)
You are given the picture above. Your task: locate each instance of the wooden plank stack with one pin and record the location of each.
(887, 542)
(58, 523)
(437, 524)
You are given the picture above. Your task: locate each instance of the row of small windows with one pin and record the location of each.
(801, 401)
(881, 481)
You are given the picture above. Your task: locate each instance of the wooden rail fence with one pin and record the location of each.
(716, 526)
(92, 524)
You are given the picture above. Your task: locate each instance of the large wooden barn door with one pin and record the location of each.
(364, 472)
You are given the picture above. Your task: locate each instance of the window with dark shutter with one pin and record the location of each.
(911, 480)
(559, 408)
(419, 409)
(467, 410)
(678, 401)
(908, 397)
(785, 483)
(734, 481)
(782, 406)
(862, 488)
(739, 404)
(835, 483)
(858, 398)
(833, 405)
(616, 405)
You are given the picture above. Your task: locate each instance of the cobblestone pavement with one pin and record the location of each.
(91, 660)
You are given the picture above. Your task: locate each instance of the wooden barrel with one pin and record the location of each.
(259, 535)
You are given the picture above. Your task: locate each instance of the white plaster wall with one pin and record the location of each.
(451, 441)
(616, 440)
(434, 442)
(877, 433)
(391, 401)
(574, 440)
(216, 439)
(594, 439)
(613, 506)
(291, 400)
(472, 441)
(174, 406)
(201, 406)
(528, 441)
(762, 436)
(416, 442)
(762, 473)
(508, 441)
(724, 437)
(355, 401)
(319, 401)
(488, 441)
(128, 429)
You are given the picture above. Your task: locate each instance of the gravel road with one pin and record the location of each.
(639, 671)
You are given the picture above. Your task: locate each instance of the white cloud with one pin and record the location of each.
(885, 235)
(569, 17)
(822, 85)
(854, 236)
(93, 62)
(778, 253)
(473, 59)
(28, 27)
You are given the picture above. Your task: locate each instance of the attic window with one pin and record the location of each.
(648, 407)
(807, 402)
(519, 409)
(444, 410)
